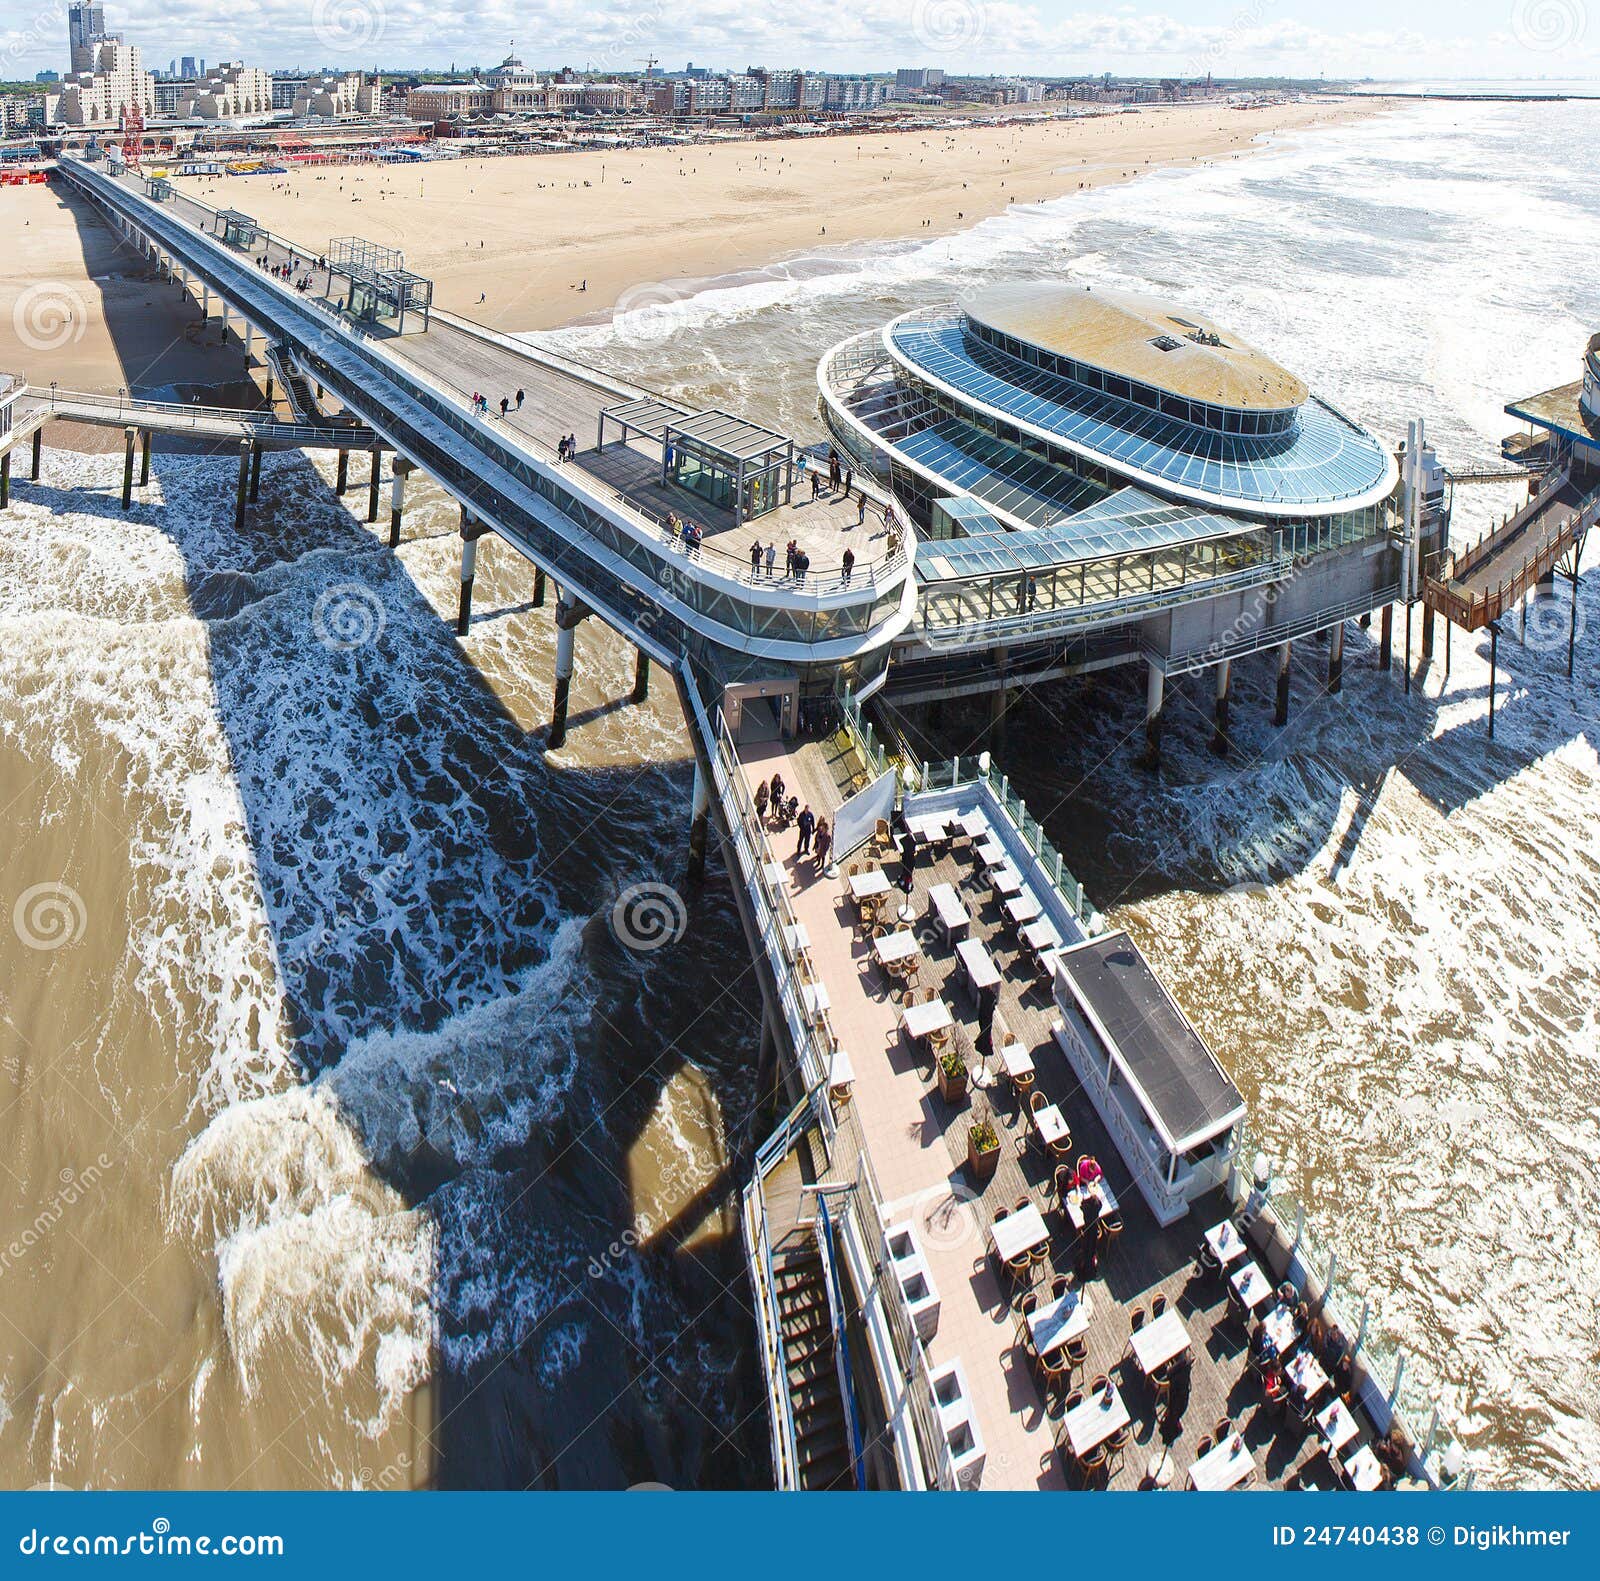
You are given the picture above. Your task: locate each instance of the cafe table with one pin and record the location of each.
(1222, 1468)
(1226, 1243)
(1019, 1233)
(1093, 1422)
(863, 886)
(1159, 1341)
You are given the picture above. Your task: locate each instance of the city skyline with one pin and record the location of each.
(1478, 38)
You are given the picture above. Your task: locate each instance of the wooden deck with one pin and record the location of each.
(918, 1145)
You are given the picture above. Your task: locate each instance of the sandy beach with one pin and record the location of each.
(510, 241)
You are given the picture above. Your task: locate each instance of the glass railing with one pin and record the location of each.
(1397, 1378)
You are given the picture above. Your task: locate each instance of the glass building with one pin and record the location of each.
(1116, 432)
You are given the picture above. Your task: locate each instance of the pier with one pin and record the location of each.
(893, 1321)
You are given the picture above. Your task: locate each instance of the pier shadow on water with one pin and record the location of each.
(1071, 750)
(550, 1101)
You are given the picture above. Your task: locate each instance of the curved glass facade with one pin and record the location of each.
(1324, 461)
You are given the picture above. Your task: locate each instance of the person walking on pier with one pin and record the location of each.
(807, 824)
(505, 406)
(761, 802)
(861, 512)
(820, 843)
(849, 563)
(834, 472)
(520, 399)
(755, 559)
(771, 557)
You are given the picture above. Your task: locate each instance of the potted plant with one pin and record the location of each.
(983, 1148)
(952, 1073)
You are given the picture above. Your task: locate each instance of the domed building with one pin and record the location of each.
(1117, 467)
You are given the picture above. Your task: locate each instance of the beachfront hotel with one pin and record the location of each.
(1124, 471)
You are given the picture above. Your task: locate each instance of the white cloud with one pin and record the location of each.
(1260, 36)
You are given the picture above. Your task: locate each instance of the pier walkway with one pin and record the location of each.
(1479, 585)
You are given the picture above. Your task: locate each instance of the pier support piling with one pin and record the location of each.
(470, 533)
(243, 492)
(1336, 659)
(1494, 666)
(144, 459)
(1281, 713)
(397, 499)
(538, 588)
(999, 701)
(1386, 638)
(373, 482)
(341, 480)
(1155, 695)
(38, 452)
(255, 473)
(129, 436)
(699, 819)
(1427, 632)
(5, 481)
(1219, 715)
(641, 675)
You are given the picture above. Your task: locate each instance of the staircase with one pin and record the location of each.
(821, 1427)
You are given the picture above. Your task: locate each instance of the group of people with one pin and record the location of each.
(566, 449)
(480, 404)
(286, 271)
(815, 838)
(690, 534)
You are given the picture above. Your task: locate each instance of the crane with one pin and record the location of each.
(132, 135)
(649, 62)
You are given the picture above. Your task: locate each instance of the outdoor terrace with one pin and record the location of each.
(917, 1142)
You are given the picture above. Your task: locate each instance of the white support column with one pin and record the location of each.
(699, 817)
(1155, 696)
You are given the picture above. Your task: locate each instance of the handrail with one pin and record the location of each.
(59, 400)
(774, 1363)
(886, 569)
(828, 1252)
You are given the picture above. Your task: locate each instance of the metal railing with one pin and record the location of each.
(827, 1250)
(1394, 1394)
(173, 414)
(868, 576)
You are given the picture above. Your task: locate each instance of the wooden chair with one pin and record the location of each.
(1062, 1146)
(1059, 1286)
(882, 837)
(1158, 1305)
(1078, 1351)
(1137, 1321)
(1099, 1384)
(1117, 1444)
(1062, 1181)
(1203, 1448)
(1223, 1428)
(1055, 1372)
(1112, 1225)
(1093, 1463)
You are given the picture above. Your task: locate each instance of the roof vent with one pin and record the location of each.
(1165, 343)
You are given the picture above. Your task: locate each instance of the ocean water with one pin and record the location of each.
(1382, 922)
(350, 1147)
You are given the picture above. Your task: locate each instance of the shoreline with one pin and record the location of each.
(642, 230)
(647, 227)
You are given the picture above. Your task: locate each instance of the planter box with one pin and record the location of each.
(982, 1163)
(959, 1423)
(951, 1088)
(911, 1275)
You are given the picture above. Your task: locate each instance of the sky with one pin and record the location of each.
(1393, 39)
